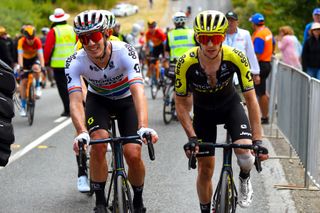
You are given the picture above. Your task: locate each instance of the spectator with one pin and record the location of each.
(59, 45)
(289, 47)
(316, 18)
(262, 39)
(5, 47)
(241, 39)
(116, 32)
(311, 52)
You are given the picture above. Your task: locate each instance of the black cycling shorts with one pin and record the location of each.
(265, 69)
(98, 111)
(27, 65)
(156, 52)
(233, 116)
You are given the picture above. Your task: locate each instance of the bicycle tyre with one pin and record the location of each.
(168, 106)
(226, 201)
(154, 85)
(31, 105)
(123, 197)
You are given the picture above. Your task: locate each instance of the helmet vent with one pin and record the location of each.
(86, 19)
(216, 20)
(202, 22)
(209, 22)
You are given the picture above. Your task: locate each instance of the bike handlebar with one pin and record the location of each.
(128, 139)
(207, 149)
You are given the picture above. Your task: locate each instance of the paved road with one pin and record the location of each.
(42, 174)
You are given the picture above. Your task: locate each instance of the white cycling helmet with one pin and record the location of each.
(111, 19)
(136, 28)
(89, 21)
(179, 18)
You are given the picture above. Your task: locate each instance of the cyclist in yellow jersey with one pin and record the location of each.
(207, 71)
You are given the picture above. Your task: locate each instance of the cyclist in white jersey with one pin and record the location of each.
(115, 88)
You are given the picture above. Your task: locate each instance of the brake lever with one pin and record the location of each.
(192, 163)
(257, 161)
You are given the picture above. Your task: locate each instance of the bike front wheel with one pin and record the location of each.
(168, 106)
(226, 201)
(31, 105)
(123, 196)
(154, 85)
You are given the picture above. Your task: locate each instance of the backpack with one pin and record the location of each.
(7, 89)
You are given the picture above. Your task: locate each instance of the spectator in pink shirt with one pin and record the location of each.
(289, 47)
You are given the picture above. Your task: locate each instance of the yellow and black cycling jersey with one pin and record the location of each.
(190, 77)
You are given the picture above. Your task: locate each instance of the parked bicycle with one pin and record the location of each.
(169, 109)
(121, 197)
(225, 196)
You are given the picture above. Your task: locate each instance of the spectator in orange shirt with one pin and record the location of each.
(263, 42)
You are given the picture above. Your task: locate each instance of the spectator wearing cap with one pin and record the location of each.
(263, 43)
(58, 47)
(311, 52)
(241, 39)
(316, 18)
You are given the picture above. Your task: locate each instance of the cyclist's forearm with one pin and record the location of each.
(182, 108)
(77, 112)
(41, 59)
(254, 114)
(20, 60)
(140, 103)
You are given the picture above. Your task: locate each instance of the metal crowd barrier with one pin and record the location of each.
(294, 109)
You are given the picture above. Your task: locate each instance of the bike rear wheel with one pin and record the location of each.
(226, 201)
(168, 105)
(123, 199)
(30, 105)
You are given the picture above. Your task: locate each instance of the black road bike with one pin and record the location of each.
(169, 108)
(121, 199)
(225, 196)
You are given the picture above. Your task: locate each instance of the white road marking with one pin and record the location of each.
(38, 141)
(59, 120)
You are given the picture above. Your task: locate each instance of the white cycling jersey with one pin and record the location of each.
(114, 80)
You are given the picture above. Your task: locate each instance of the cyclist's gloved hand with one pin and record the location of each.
(142, 131)
(191, 146)
(83, 137)
(263, 152)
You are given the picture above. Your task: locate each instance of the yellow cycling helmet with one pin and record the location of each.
(152, 23)
(29, 31)
(210, 22)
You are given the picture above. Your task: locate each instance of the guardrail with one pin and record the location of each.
(294, 109)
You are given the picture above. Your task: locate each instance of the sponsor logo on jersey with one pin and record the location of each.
(246, 133)
(94, 68)
(137, 68)
(111, 65)
(132, 52)
(69, 59)
(178, 83)
(242, 56)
